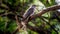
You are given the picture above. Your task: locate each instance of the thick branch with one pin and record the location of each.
(52, 8)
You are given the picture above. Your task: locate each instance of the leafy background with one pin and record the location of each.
(9, 25)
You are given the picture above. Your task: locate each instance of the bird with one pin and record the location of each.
(29, 12)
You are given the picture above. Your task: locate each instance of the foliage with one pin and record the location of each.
(9, 25)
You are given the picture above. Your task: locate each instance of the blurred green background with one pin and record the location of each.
(8, 26)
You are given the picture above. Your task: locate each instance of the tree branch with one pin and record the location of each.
(37, 29)
(50, 25)
(52, 8)
(5, 8)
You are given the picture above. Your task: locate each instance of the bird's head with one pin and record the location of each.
(33, 6)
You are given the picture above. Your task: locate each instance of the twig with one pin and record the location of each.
(18, 24)
(36, 29)
(5, 8)
(50, 25)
